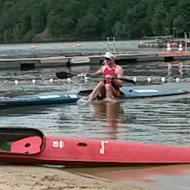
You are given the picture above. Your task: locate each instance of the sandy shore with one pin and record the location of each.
(175, 177)
(43, 178)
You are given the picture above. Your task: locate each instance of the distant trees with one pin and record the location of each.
(44, 20)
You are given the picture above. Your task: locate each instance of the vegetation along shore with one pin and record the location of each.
(63, 20)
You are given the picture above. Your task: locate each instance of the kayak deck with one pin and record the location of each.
(144, 92)
(141, 92)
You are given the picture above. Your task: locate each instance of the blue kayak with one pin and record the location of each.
(126, 92)
(143, 92)
(38, 100)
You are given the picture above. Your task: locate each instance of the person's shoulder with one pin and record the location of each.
(119, 67)
(103, 67)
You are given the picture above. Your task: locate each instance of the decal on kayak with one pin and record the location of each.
(58, 144)
(102, 149)
(146, 91)
(49, 96)
(73, 96)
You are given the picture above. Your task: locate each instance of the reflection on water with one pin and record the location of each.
(175, 177)
(172, 66)
(112, 113)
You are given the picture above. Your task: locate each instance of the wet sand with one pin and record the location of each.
(14, 177)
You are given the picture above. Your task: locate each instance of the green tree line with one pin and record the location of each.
(67, 20)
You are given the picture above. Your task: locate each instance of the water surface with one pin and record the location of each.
(162, 120)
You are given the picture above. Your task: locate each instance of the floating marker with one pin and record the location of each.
(142, 79)
(33, 81)
(85, 79)
(16, 82)
(163, 79)
(135, 79)
(149, 79)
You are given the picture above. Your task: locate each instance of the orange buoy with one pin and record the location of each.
(78, 45)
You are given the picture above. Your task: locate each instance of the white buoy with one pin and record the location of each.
(51, 80)
(33, 81)
(135, 79)
(86, 79)
(177, 80)
(68, 80)
(149, 79)
(163, 79)
(16, 82)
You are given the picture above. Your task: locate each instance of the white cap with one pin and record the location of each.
(109, 55)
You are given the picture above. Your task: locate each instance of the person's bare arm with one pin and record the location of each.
(97, 73)
(120, 74)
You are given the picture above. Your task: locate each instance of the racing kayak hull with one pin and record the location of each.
(39, 100)
(31, 146)
(126, 92)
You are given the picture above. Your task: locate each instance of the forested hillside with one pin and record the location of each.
(65, 20)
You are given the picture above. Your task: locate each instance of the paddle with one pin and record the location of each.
(65, 75)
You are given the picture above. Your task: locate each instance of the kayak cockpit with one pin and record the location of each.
(87, 93)
(84, 92)
(21, 141)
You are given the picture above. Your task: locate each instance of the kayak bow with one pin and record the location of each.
(31, 146)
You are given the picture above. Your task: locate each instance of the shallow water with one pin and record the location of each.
(174, 177)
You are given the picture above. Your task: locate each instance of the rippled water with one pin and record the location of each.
(153, 120)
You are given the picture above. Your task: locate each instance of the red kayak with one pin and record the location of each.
(30, 146)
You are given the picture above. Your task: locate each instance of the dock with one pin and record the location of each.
(25, 63)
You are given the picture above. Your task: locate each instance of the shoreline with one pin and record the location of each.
(28, 177)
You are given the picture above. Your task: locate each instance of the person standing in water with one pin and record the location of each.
(113, 73)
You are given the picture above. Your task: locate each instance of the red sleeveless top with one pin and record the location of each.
(109, 72)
